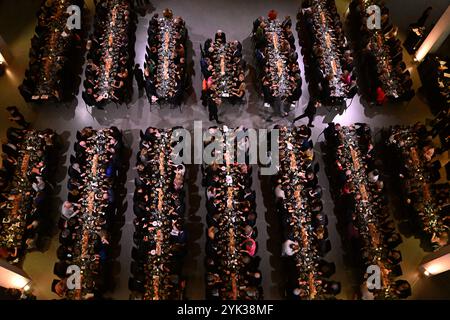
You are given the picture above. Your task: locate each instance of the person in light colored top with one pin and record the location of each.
(39, 185)
(365, 293)
(279, 193)
(68, 210)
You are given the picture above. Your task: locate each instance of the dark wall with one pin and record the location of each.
(405, 12)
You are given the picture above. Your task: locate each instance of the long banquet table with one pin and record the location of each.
(307, 258)
(20, 204)
(367, 212)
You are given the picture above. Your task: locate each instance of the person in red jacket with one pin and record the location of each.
(272, 15)
(381, 96)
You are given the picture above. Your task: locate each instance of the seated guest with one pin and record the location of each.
(68, 210)
(289, 248)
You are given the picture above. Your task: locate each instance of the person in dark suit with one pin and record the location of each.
(212, 108)
(88, 97)
(139, 76)
(310, 112)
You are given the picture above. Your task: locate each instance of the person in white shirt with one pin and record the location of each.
(76, 167)
(39, 185)
(380, 185)
(210, 194)
(68, 210)
(373, 176)
(289, 248)
(181, 169)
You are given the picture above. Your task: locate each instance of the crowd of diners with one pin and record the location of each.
(277, 61)
(385, 73)
(326, 51)
(89, 214)
(304, 225)
(27, 160)
(159, 238)
(433, 72)
(417, 168)
(165, 58)
(110, 60)
(361, 206)
(223, 71)
(440, 127)
(231, 260)
(110, 57)
(54, 47)
(232, 264)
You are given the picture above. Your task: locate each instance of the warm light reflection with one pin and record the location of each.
(436, 268)
(18, 281)
(12, 276)
(424, 48)
(437, 265)
(12, 76)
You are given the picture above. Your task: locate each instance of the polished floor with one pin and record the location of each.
(203, 18)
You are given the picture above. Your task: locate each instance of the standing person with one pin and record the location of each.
(139, 76)
(213, 103)
(310, 112)
(17, 117)
(88, 97)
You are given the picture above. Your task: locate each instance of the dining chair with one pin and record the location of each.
(60, 269)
